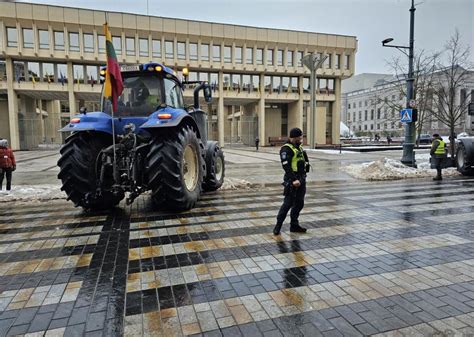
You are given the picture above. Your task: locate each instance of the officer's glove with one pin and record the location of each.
(307, 167)
(13, 168)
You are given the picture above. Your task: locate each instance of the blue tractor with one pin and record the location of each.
(153, 143)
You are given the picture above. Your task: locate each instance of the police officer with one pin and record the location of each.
(438, 154)
(295, 163)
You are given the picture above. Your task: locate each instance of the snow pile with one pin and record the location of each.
(234, 184)
(389, 169)
(32, 193)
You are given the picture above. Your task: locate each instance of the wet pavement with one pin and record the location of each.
(391, 258)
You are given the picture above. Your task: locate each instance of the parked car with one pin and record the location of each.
(424, 139)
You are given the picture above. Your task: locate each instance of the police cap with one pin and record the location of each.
(296, 132)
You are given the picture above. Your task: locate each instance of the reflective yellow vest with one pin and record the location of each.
(297, 156)
(440, 150)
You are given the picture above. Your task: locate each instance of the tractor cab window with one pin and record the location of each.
(173, 95)
(141, 96)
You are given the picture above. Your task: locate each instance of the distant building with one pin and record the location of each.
(369, 109)
(50, 58)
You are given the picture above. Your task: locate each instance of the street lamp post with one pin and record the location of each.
(408, 157)
(313, 63)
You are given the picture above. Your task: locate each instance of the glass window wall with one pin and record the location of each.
(28, 41)
(227, 54)
(88, 43)
(181, 50)
(59, 40)
(74, 42)
(169, 52)
(238, 54)
(204, 52)
(216, 53)
(193, 51)
(12, 37)
(143, 43)
(156, 48)
(130, 46)
(43, 39)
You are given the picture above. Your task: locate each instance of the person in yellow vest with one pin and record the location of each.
(295, 164)
(438, 154)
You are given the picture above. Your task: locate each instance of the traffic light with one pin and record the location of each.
(414, 115)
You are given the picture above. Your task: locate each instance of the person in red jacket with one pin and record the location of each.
(7, 163)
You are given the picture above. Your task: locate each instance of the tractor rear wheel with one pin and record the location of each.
(78, 170)
(175, 169)
(215, 167)
(462, 160)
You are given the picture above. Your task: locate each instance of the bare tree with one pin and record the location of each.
(424, 69)
(452, 76)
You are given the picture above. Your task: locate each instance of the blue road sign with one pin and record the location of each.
(406, 116)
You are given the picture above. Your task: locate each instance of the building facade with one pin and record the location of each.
(372, 110)
(50, 59)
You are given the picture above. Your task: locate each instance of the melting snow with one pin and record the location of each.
(389, 169)
(32, 193)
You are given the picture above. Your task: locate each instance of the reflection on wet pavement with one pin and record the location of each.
(391, 258)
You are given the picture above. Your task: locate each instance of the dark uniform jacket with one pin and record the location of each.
(286, 155)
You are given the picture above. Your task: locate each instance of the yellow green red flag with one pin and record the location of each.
(113, 85)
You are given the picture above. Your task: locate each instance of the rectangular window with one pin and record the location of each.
(249, 55)
(300, 59)
(238, 54)
(130, 46)
(117, 43)
(338, 61)
(43, 39)
(204, 77)
(33, 71)
(204, 52)
(74, 42)
(328, 62)
(306, 84)
(294, 84)
(214, 80)
(347, 63)
(216, 53)
(169, 52)
(276, 84)
(101, 44)
(48, 72)
(91, 72)
(270, 57)
(143, 43)
(12, 37)
(156, 48)
(259, 56)
(62, 73)
(181, 50)
(285, 84)
(59, 40)
(193, 51)
(267, 82)
(28, 41)
(227, 54)
(255, 82)
(289, 58)
(78, 73)
(280, 57)
(88, 43)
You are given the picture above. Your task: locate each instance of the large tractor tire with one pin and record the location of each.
(78, 170)
(462, 161)
(215, 167)
(175, 169)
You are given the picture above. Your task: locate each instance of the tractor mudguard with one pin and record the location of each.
(93, 121)
(174, 118)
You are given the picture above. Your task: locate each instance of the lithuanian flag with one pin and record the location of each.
(113, 78)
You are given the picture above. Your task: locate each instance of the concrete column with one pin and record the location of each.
(232, 123)
(41, 121)
(261, 113)
(14, 138)
(70, 89)
(336, 113)
(220, 111)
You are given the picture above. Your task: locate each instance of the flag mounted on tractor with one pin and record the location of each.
(113, 78)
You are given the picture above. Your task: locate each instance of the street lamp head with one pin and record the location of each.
(387, 40)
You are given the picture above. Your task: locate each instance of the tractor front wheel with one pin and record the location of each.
(215, 167)
(462, 161)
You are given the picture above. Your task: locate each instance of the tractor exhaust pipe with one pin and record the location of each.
(207, 93)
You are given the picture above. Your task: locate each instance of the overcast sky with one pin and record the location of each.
(369, 20)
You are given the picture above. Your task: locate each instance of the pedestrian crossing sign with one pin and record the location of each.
(406, 116)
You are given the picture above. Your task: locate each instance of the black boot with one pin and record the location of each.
(296, 228)
(438, 178)
(277, 229)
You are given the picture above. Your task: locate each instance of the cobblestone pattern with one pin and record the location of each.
(384, 259)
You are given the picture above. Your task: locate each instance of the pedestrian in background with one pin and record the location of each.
(295, 164)
(438, 155)
(257, 141)
(389, 140)
(7, 164)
